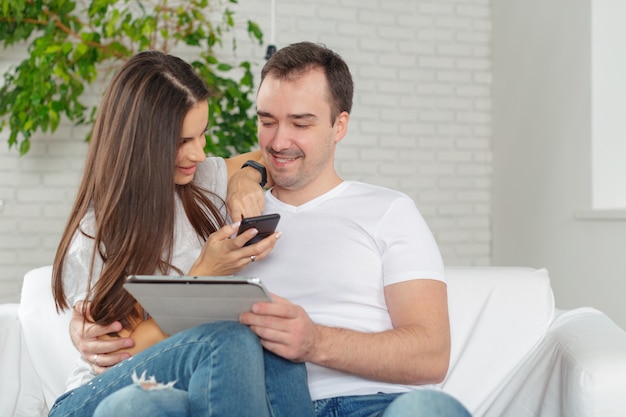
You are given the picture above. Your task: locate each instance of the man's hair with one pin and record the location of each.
(297, 58)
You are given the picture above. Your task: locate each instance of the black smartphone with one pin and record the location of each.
(265, 224)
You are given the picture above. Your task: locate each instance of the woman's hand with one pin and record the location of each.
(222, 255)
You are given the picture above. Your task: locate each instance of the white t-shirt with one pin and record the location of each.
(210, 175)
(336, 254)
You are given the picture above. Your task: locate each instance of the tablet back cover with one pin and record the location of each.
(177, 303)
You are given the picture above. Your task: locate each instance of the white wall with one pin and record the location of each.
(421, 123)
(608, 100)
(542, 154)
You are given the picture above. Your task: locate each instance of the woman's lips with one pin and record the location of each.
(187, 170)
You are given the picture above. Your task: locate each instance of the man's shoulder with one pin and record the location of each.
(375, 201)
(373, 191)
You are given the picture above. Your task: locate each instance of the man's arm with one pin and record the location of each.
(416, 351)
(245, 196)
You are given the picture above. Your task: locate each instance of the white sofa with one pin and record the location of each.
(513, 353)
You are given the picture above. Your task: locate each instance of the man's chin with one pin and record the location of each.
(284, 182)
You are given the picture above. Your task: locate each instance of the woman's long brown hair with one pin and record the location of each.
(129, 180)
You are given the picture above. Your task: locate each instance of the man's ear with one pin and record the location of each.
(341, 125)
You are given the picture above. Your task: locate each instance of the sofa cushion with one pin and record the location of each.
(497, 316)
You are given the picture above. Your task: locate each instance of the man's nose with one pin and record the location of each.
(281, 139)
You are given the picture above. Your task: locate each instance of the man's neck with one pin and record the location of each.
(302, 196)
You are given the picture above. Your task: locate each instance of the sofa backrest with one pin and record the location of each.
(497, 316)
(46, 333)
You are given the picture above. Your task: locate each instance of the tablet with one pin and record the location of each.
(179, 302)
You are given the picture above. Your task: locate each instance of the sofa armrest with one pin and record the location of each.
(578, 370)
(593, 354)
(20, 391)
(10, 346)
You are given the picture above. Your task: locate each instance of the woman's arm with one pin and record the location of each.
(145, 334)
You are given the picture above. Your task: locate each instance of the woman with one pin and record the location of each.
(151, 203)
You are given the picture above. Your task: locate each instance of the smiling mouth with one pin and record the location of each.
(283, 159)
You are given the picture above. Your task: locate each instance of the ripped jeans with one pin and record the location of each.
(215, 369)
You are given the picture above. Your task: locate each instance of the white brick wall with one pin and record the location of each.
(421, 122)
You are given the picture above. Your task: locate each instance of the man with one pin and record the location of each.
(360, 293)
(367, 307)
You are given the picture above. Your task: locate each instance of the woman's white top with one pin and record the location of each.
(210, 175)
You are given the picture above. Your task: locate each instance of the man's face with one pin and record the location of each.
(295, 131)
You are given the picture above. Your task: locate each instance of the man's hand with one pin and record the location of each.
(284, 329)
(245, 198)
(99, 353)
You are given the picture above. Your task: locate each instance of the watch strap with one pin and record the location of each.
(258, 167)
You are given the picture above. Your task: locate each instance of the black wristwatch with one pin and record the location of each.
(260, 168)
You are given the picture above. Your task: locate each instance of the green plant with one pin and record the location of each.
(70, 42)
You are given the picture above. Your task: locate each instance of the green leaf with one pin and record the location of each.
(54, 120)
(254, 30)
(24, 147)
(224, 67)
(81, 49)
(51, 49)
(67, 47)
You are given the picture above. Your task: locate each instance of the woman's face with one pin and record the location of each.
(191, 143)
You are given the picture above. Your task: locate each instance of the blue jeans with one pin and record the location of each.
(217, 369)
(419, 403)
